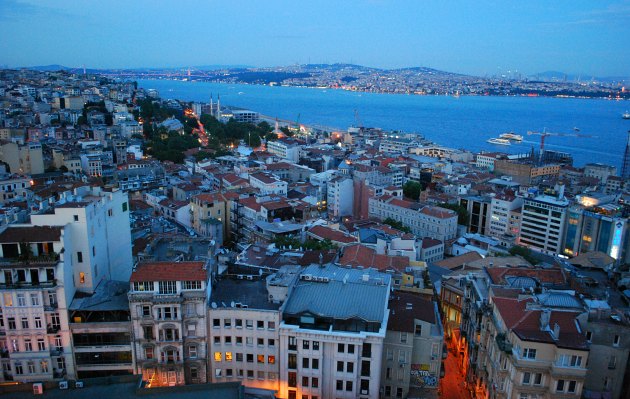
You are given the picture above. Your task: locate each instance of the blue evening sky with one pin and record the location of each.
(481, 37)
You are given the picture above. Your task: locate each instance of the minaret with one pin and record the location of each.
(211, 106)
(625, 168)
(218, 107)
(277, 129)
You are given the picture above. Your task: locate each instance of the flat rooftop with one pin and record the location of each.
(252, 293)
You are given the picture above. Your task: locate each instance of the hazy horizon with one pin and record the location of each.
(475, 38)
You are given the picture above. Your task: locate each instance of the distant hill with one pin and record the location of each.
(49, 68)
(558, 76)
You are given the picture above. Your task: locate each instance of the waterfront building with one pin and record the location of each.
(168, 304)
(599, 171)
(543, 222)
(525, 172)
(333, 326)
(245, 116)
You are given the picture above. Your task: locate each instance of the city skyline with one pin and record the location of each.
(471, 38)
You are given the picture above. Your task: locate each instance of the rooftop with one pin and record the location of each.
(233, 292)
(169, 271)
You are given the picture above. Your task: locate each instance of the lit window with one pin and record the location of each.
(217, 356)
(228, 356)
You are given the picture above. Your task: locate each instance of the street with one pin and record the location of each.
(452, 385)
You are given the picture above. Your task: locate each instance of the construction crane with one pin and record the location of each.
(297, 124)
(545, 133)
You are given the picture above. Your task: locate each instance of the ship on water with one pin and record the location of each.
(626, 115)
(511, 136)
(499, 141)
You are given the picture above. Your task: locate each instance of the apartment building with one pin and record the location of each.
(243, 333)
(340, 196)
(95, 217)
(423, 220)
(268, 184)
(36, 285)
(333, 326)
(168, 302)
(285, 148)
(543, 221)
(413, 347)
(209, 210)
(500, 222)
(599, 171)
(478, 208)
(26, 159)
(14, 188)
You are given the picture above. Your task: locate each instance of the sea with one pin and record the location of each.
(464, 122)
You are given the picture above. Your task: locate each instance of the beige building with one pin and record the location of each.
(208, 210)
(168, 312)
(23, 159)
(243, 328)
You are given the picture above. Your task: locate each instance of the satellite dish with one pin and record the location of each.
(232, 304)
(213, 305)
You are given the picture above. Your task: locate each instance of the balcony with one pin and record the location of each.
(558, 370)
(24, 285)
(53, 329)
(503, 344)
(51, 307)
(56, 351)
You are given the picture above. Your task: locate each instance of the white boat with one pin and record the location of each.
(511, 136)
(499, 141)
(626, 115)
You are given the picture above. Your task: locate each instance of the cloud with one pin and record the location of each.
(19, 10)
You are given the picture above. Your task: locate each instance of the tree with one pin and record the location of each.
(397, 225)
(525, 253)
(462, 212)
(412, 189)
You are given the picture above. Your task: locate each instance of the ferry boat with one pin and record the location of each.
(626, 115)
(511, 136)
(499, 141)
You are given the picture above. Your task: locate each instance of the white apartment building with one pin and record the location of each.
(340, 196)
(286, 148)
(14, 187)
(543, 222)
(423, 220)
(99, 223)
(243, 328)
(268, 183)
(36, 287)
(331, 334)
(168, 303)
(501, 207)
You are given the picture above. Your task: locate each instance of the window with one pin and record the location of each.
(239, 323)
(250, 358)
(34, 299)
(367, 350)
(146, 311)
(260, 341)
(560, 386)
(167, 287)
(418, 330)
(350, 348)
(81, 277)
(148, 352)
(350, 367)
(216, 323)
(271, 376)
(38, 322)
(399, 392)
(25, 323)
(260, 359)
(403, 337)
(75, 217)
(148, 332)
(271, 325)
(305, 344)
(402, 356)
(292, 361)
(239, 357)
(304, 381)
(271, 359)
(228, 356)
(572, 386)
(305, 362)
(192, 352)
(589, 336)
(612, 363)
(339, 385)
(41, 346)
(249, 341)
(218, 373)
(315, 345)
(271, 342)
(44, 366)
(21, 300)
(390, 354)
(529, 353)
(341, 348)
(227, 323)
(315, 364)
(349, 386)
(260, 324)
(292, 343)
(143, 286)
(194, 373)
(527, 377)
(8, 299)
(79, 256)
(218, 356)
(124, 207)
(28, 345)
(192, 285)
(249, 324)
(616, 340)
(292, 379)
(228, 340)
(340, 366)
(250, 374)
(18, 368)
(538, 379)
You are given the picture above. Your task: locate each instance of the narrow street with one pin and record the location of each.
(452, 385)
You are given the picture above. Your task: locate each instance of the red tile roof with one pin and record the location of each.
(324, 232)
(359, 255)
(544, 276)
(169, 271)
(31, 234)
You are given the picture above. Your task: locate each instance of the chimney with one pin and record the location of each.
(544, 319)
(556, 331)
